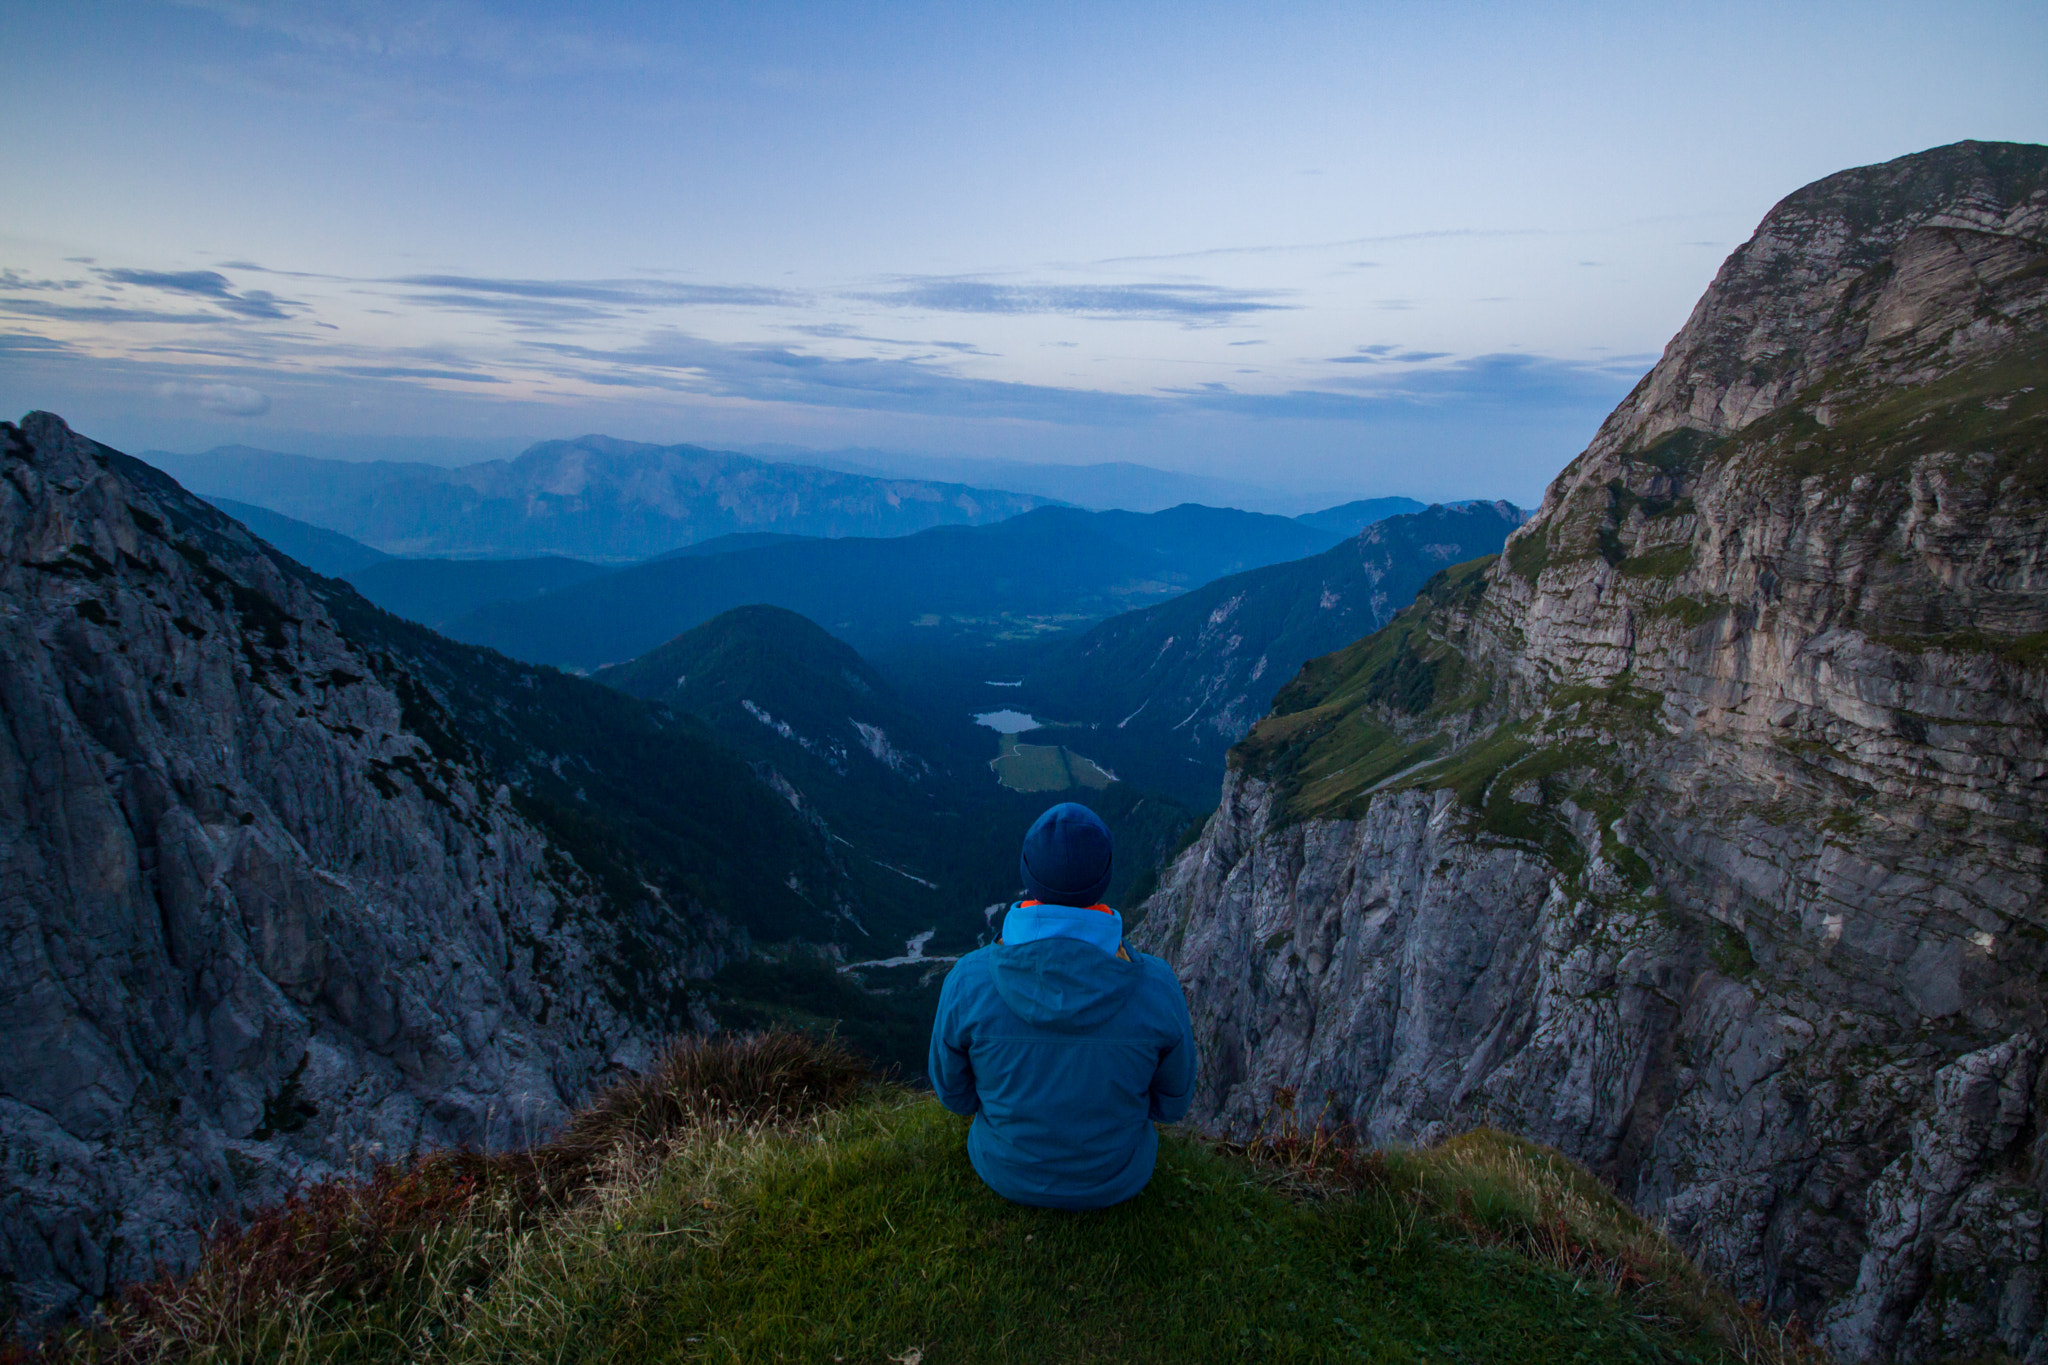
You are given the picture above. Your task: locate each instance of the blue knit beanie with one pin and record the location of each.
(1066, 856)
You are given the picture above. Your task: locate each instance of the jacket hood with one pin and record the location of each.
(1062, 983)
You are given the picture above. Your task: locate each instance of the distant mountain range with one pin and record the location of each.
(1163, 692)
(1098, 487)
(593, 498)
(1051, 569)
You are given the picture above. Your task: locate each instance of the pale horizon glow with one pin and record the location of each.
(1361, 250)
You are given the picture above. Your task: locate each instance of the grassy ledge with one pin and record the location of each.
(692, 1216)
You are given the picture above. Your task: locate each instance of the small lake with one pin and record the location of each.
(1008, 722)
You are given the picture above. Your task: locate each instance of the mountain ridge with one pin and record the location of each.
(1045, 569)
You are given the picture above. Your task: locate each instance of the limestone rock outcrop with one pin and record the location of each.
(1700, 834)
(271, 904)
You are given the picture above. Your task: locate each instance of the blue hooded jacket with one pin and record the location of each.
(1065, 1047)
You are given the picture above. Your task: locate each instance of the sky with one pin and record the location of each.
(1361, 249)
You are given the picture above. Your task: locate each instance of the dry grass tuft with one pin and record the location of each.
(1502, 1191)
(776, 1077)
(1309, 1158)
(308, 1278)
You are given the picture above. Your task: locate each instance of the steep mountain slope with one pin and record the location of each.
(1701, 833)
(435, 592)
(950, 586)
(317, 548)
(592, 498)
(1170, 688)
(286, 882)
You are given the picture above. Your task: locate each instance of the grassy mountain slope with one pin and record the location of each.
(749, 1201)
(1164, 691)
(950, 587)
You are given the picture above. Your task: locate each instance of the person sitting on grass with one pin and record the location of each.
(1063, 1044)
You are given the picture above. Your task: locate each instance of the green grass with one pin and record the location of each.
(1530, 555)
(1689, 612)
(872, 1238)
(1046, 768)
(750, 1201)
(2027, 651)
(1666, 561)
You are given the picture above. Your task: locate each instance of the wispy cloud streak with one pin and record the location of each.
(1168, 302)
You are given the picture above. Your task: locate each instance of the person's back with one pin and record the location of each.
(1063, 1043)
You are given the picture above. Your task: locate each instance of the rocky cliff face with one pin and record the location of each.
(1700, 834)
(286, 884)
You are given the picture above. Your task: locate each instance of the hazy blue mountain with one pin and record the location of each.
(437, 591)
(297, 485)
(1161, 693)
(317, 548)
(1099, 487)
(738, 540)
(592, 498)
(1352, 517)
(1051, 569)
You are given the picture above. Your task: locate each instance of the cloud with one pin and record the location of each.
(379, 32)
(841, 331)
(81, 312)
(26, 343)
(206, 283)
(1284, 248)
(1375, 355)
(628, 292)
(1151, 302)
(551, 302)
(1517, 383)
(775, 374)
(677, 361)
(15, 280)
(234, 400)
(260, 304)
(416, 372)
